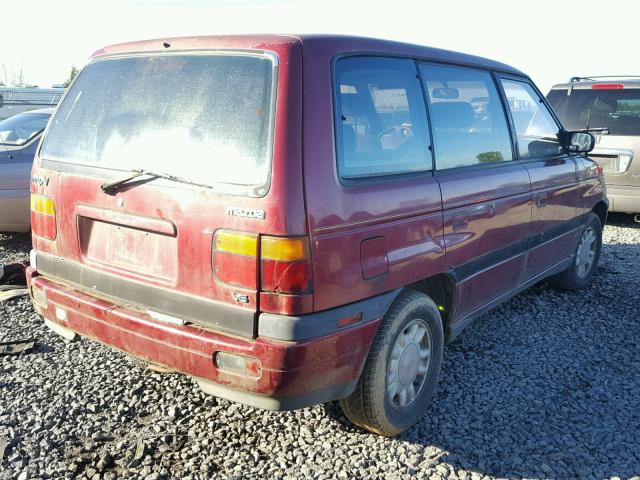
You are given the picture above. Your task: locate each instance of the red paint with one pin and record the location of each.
(373, 257)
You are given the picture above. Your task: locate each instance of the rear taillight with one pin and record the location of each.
(43, 216)
(235, 258)
(285, 265)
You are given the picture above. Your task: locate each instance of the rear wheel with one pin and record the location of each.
(585, 259)
(401, 371)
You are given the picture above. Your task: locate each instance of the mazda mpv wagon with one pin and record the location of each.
(296, 220)
(610, 106)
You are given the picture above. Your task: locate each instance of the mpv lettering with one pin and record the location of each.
(402, 192)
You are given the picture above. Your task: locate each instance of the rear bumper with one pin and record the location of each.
(624, 199)
(292, 374)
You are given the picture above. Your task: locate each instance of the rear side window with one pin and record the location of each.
(536, 129)
(381, 121)
(468, 121)
(618, 110)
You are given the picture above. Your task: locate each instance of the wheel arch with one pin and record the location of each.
(601, 209)
(442, 289)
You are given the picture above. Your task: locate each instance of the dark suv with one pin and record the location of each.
(610, 106)
(295, 220)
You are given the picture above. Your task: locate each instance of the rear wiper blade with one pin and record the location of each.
(135, 173)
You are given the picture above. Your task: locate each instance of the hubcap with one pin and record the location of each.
(409, 363)
(586, 252)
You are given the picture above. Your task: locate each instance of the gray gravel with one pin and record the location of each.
(546, 386)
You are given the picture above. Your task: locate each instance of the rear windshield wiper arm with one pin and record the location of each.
(135, 173)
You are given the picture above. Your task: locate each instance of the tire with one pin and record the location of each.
(414, 317)
(577, 276)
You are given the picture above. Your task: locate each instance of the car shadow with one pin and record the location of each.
(531, 390)
(539, 390)
(625, 220)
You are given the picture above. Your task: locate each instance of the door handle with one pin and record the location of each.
(459, 222)
(541, 200)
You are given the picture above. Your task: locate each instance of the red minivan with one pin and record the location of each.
(292, 220)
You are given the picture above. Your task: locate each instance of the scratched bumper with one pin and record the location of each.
(291, 375)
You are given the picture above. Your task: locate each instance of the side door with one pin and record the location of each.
(485, 193)
(554, 177)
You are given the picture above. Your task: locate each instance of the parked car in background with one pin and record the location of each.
(19, 138)
(14, 100)
(613, 104)
(296, 220)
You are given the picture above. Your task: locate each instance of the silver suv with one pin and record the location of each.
(610, 108)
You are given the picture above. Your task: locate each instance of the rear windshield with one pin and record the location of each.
(202, 117)
(618, 110)
(19, 129)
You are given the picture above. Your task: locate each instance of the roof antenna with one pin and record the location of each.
(166, 45)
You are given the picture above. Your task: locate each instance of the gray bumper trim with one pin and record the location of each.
(319, 324)
(197, 310)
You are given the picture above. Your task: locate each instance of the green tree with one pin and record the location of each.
(489, 157)
(72, 75)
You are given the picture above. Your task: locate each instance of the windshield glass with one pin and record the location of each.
(19, 129)
(203, 117)
(618, 110)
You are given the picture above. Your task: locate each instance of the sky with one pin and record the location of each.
(550, 40)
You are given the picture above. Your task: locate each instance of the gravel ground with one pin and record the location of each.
(546, 386)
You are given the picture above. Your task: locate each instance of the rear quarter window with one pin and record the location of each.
(380, 118)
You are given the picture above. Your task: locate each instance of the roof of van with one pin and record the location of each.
(333, 44)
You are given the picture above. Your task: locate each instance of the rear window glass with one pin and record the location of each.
(19, 129)
(617, 110)
(381, 119)
(202, 117)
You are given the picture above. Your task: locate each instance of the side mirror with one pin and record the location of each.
(581, 142)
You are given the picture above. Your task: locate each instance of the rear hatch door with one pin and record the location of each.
(206, 122)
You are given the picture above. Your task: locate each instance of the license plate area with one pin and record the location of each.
(124, 248)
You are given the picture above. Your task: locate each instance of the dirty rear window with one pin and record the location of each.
(618, 110)
(202, 117)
